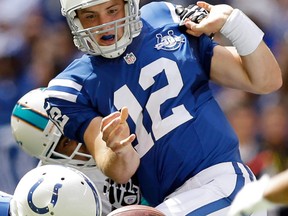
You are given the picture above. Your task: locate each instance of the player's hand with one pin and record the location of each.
(212, 23)
(116, 132)
(250, 199)
(192, 12)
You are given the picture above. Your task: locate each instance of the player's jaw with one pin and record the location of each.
(108, 38)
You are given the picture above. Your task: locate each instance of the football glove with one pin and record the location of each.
(120, 195)
(192, 12)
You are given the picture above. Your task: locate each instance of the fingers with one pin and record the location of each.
(108, 126)
(209, 25)
(116, 132)
(116, 142)
(194, 28)
(114, 119)
(204, 5)
(124, 143)
(108, 119)
(124, 114)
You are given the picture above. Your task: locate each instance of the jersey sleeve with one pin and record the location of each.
(206, 47)
(158, 14)
(68, 103)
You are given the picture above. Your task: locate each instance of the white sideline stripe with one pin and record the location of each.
(65, 83)
(62, 95)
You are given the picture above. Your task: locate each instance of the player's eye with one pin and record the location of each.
(90, 16)
(112, 11)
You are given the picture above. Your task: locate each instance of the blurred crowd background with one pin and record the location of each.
(36, 44)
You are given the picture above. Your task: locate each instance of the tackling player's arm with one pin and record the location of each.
(110, 142)
(266, 193)
(277, 189)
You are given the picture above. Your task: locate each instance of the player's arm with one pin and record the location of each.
(257, 72)
(277, 189)
(109, 141)
(261, 195)
(249, 65)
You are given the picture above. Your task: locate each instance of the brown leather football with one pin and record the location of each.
(136, 210)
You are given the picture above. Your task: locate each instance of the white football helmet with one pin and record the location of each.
(38, 136)
(84, 39)
(54, 190)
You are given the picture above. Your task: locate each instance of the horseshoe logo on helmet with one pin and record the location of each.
(53, 201)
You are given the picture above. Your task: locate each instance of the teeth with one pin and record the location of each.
(108, 37)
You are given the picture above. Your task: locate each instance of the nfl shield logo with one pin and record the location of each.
(130, 58)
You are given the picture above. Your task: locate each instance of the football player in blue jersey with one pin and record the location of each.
(139, 97)
(52, 190)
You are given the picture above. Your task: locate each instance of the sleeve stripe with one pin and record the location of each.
(61, 95)
(65, 83)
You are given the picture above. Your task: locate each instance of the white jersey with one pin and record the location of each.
(98, 178)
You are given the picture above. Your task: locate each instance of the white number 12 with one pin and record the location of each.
(160, 127)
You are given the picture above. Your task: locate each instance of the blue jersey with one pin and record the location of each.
(163, 79)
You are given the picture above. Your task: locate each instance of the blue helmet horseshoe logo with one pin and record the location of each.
(53, 201)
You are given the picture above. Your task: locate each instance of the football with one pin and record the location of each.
(136, 210)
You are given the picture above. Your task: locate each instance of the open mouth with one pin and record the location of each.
(107, 40)
(108, 37)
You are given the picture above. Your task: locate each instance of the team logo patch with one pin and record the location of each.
(130, 58)
(169, 42)
(53, 201)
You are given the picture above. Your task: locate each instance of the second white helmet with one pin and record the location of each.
(38, 136)
(55, 190)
